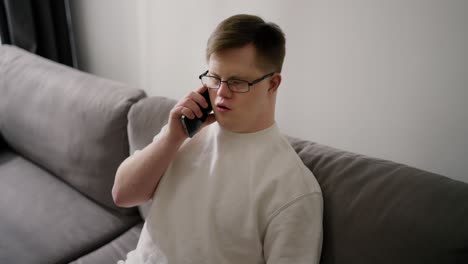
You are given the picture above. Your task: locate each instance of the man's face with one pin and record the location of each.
(242, 112)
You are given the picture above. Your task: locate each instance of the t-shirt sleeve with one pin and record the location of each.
(295, 233)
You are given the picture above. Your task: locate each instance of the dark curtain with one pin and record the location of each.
(39, 26)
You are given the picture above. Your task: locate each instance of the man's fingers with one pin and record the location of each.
(201, 89)
(191, 104)
(176, 112)
(187, 112)
(197, 97)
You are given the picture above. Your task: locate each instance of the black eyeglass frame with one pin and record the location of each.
(227, 82)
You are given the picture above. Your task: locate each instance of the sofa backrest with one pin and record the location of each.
(378, 211)
(71, 123)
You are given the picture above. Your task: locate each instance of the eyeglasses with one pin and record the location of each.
(237, 86)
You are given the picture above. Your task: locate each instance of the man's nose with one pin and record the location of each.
(224, 91)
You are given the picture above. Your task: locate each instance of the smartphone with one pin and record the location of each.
(191, 126)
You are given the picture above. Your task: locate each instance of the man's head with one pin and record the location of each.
(240, 30)
(245, 47)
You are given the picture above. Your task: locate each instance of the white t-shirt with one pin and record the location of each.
(234, 198)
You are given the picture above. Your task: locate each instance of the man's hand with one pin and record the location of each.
(190, 107)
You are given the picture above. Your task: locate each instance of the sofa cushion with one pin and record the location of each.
(71, 123)
(114, 251)
(43, 220)
(378, 211)
(145, 120)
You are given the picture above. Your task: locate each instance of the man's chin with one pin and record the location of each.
(227, 123)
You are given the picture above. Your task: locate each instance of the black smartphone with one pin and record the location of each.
(191, 126)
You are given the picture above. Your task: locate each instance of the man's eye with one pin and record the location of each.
(213, 80)
(235, 82)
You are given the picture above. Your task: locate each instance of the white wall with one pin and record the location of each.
(108, 36)
(384, 78)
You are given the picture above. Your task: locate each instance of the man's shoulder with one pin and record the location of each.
(286, 181)
(288, 163)
(286, 173)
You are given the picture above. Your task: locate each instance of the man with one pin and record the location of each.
(236, 192)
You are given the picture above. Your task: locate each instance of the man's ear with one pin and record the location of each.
(275, 81)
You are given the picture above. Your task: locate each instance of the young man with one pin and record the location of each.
(236, 192)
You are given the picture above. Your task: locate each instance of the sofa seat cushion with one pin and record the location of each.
(114, 251)
(43, 220)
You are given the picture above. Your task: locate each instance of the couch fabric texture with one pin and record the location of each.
(63, 134)
(66, 133)
(65, 120)
(378, 211)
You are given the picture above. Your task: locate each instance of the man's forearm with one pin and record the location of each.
(138, 176)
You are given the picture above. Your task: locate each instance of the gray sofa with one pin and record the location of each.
(63, 134)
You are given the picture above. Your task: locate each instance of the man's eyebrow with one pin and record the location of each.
(212, 74)
(236, 77)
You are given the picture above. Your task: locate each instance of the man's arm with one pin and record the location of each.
(294, 235)
(138, 176)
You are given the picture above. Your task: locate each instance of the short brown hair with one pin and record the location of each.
(240, 30)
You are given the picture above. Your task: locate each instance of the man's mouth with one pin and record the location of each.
(222, 108)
